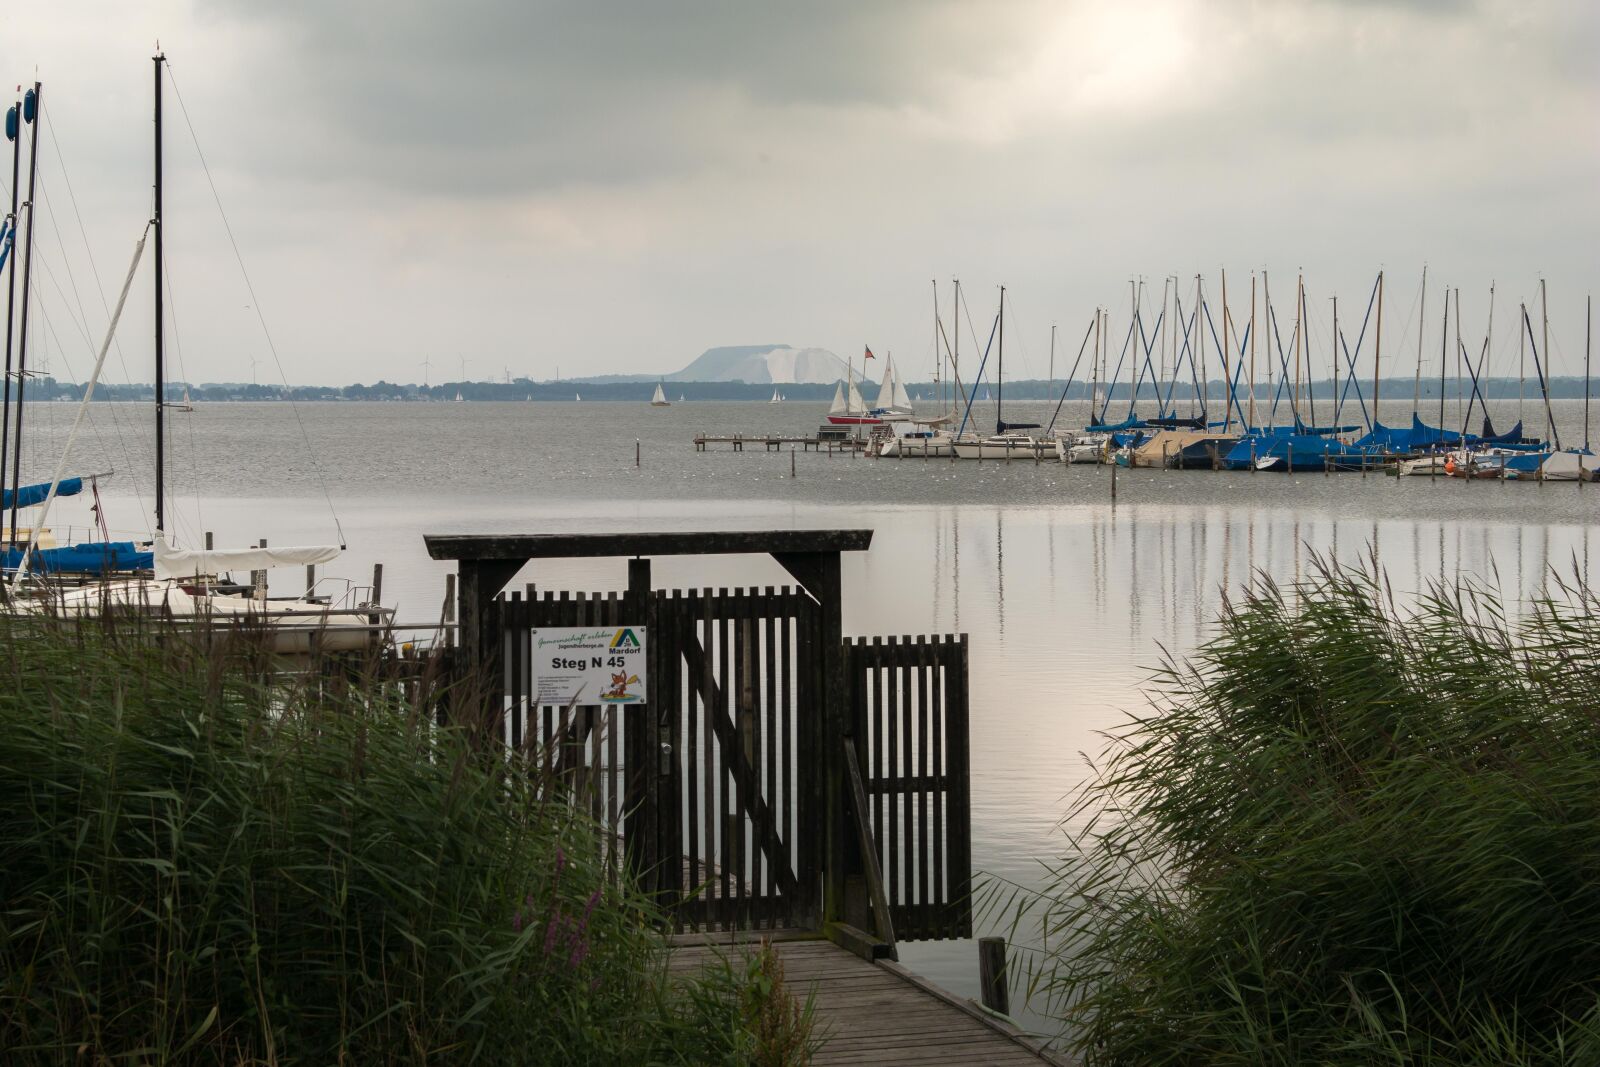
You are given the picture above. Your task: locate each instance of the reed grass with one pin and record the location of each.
(204, 864)
(1345, 832)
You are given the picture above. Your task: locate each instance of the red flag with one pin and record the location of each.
(869, 353)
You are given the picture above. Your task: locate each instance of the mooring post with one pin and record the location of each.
(636, 452)
(258, 579)
(791, 461)
(992, 974)
(377, 593)
(1113, 477)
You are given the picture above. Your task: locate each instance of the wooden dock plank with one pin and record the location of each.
(868, 1013)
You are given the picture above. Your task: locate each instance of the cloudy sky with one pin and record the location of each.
(614, 187)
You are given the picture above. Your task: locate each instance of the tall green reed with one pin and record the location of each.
(204, 862)
(1345, 832)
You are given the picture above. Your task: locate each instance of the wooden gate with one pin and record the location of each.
(707, 785)
(909, 702)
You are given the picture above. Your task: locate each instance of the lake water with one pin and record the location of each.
(1069, 599)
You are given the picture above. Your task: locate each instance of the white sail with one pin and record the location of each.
(187, 563)
(886, 387)
(775, 397)
(660, 398)
(902, 400)
(837, 407)
(855, 405)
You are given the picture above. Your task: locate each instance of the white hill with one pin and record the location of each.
(766, 364)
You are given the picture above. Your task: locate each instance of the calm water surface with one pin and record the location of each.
(1069, 599)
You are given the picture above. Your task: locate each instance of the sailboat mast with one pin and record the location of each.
(1422, 316)
(938, 356)
(34, 119)
(1094, 370)
(160, 265)
(1299, 339)
(1444, 330)
(1000, 372)
(1588, 329)
(1252, 351)
(1227, 379)
(1377, 349)
(14, 134)
(1522, 370)
(1544, 318)
(1200, 343)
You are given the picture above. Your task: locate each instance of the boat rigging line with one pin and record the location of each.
(255, 302)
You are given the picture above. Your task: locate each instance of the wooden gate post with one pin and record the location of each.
(481, 639)
(642, 733)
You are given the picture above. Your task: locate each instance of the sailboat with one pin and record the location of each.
(659, 400)
(459, 400)
(1009, 438)
(189, 586)
(577, 396)
(849, 409)
(776, 399)
(187, 404)
(34, 549)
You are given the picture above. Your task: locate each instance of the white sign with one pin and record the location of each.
(589, 665)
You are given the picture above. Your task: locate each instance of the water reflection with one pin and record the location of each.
(1069, 606)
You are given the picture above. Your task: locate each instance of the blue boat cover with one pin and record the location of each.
(30, 496)
(98, 557)
(1114, 427)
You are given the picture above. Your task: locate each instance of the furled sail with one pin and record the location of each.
(95, 557)
(187, 563)
(30, 496)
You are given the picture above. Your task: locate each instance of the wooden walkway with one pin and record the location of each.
(878, 1013)
(841, 442)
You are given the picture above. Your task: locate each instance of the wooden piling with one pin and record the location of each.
(992, 977)
(636, 453)
(791, 461)
(1113, 478)
(258, 579)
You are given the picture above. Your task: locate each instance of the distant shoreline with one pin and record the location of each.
(48, 389)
